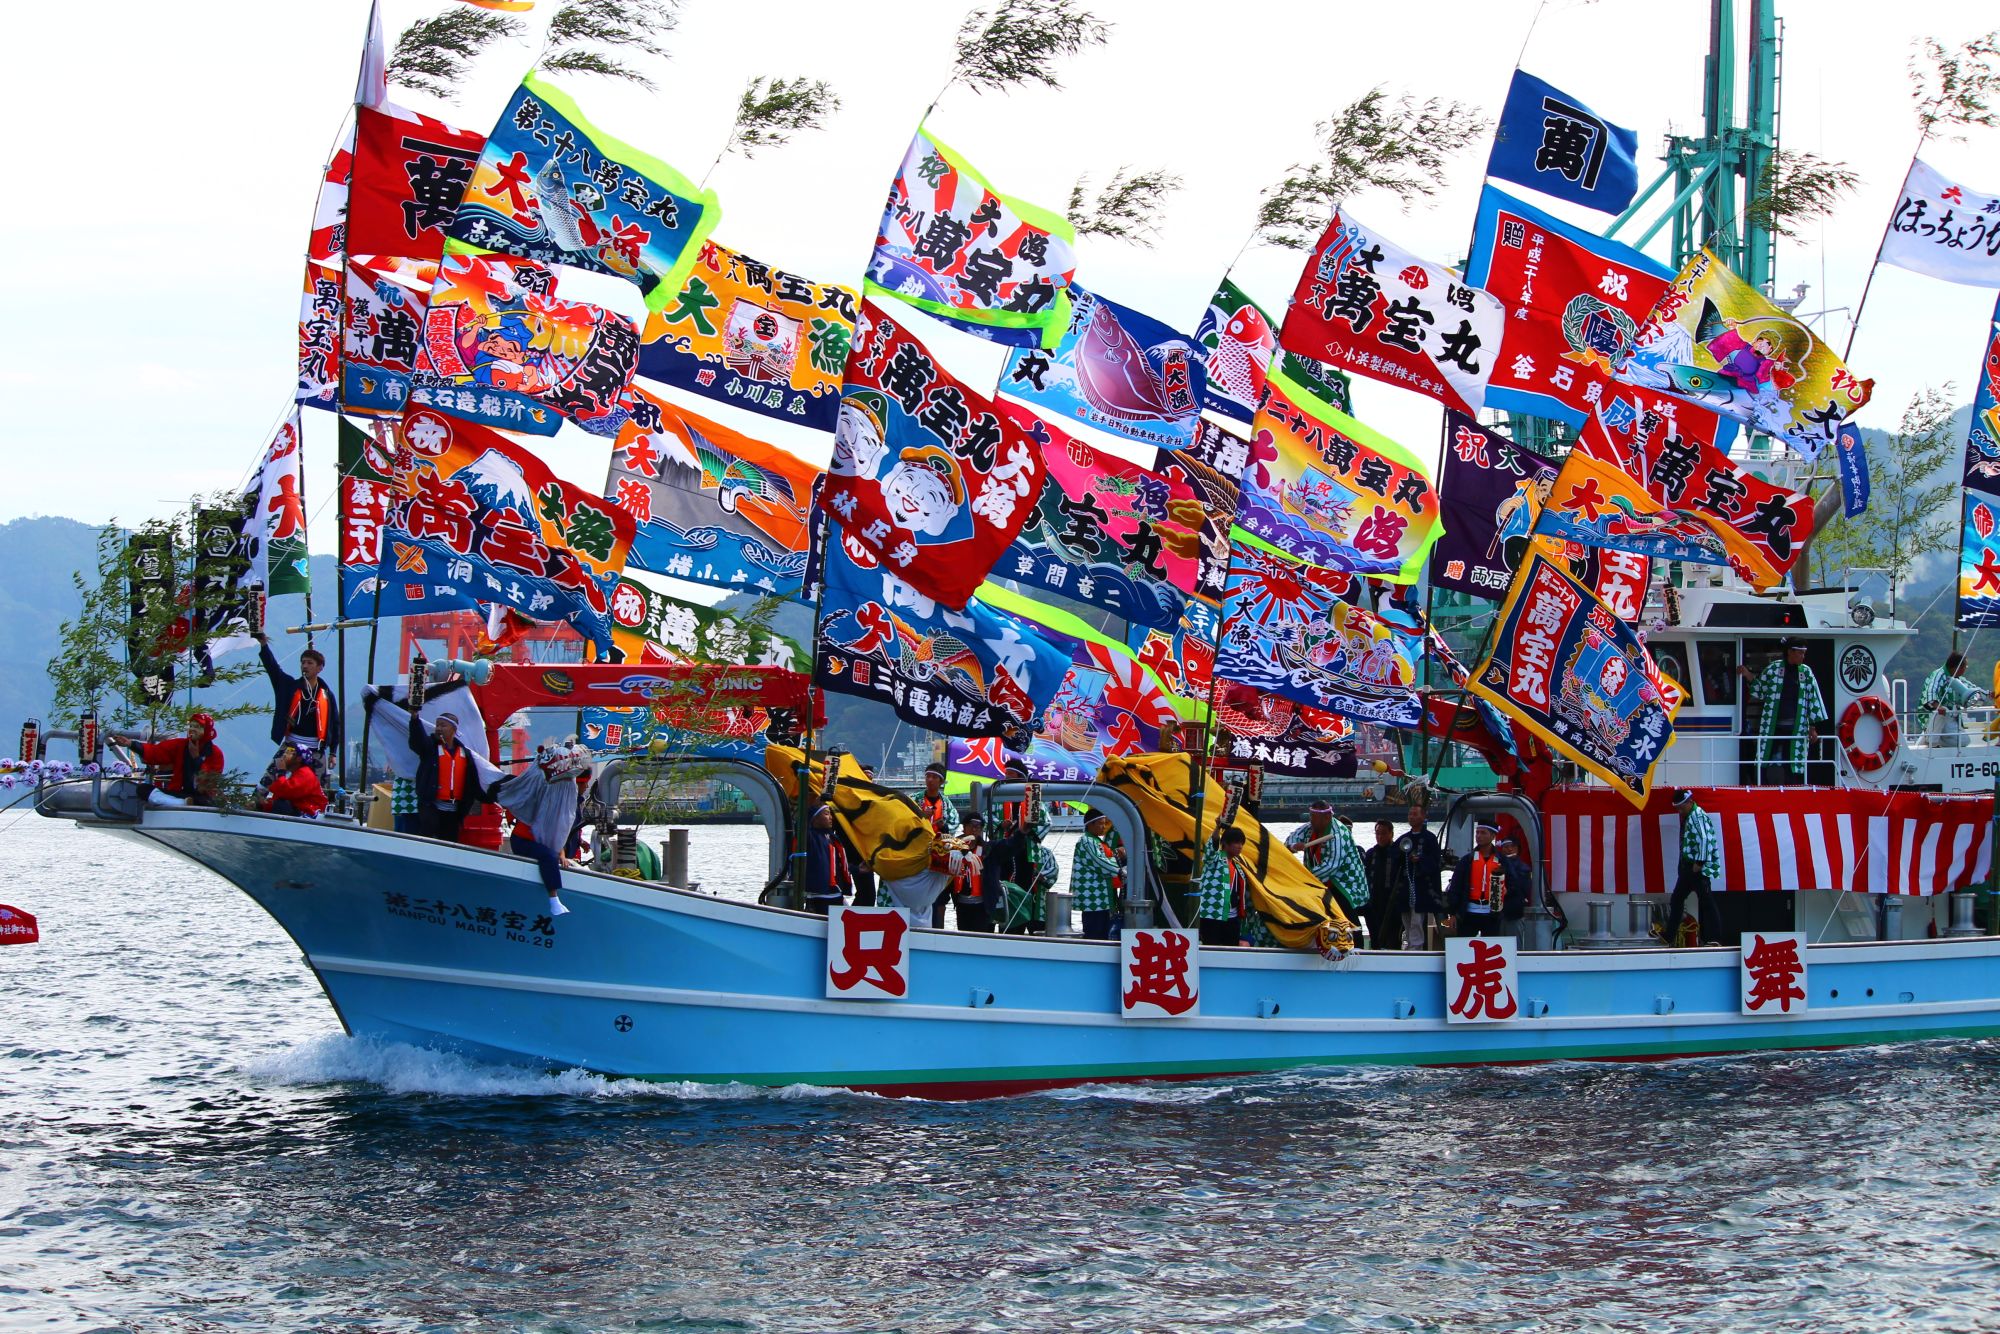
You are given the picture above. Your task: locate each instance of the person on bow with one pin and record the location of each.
(828, 880)
(1790, 710)
(1097, 877)
(1027, 866)
(446, 785)
(1325, 843)
(293, 788)
(1478, 898)
(1946, 692)
(182, 770)
(1225, 890)
(1700, 867)
(304, 710)
(1388, 874)
(942, 816)
(1423, 861)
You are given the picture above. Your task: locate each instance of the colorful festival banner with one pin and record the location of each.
(1212, 469)
(1113, 368)
(650, 626)
(1716, 342)
(1549, 141)
(1322, 488)
(970, 672)
(734, 733)
(319, 304)
(266, 553)
(745, 333)
(1371, 308)
(1284, 736)
(476, 518)
(1238, 341)
(1105, 531)
(710, 505)
(1851, 455)
(386, 300)
(927, 474)
(1288, 629)
(1695, 504)
(500, 348)
(1108, 703)
(1184, 657)
(410, 174)
(954, 247)
(1979, 542)
(1579, 678)
(1943, 230)
(553, 188)
(366, 466)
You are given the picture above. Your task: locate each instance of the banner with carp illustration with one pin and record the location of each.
(1105, 531)
(1979, 547)
(928, 475)
(1566, 668)
(744, 333)
(1716, 342)
(1183, 657)
(552, 187)
(974, 671)
(954, 247)
(1289, 629)
(1368, 307)
(709, 504)
(1322, 488)
(476, 518)
(1116, 369)
(1238, 340)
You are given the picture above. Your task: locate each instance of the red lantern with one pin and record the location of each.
(31, 741)
(86, 736)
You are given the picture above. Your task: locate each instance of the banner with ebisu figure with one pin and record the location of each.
(1716, 342)
(1979, 543)
(1322, 488)
(708, 504)
(1114, 368)
(1944, 230)
(1105, 531)
(762, 339)
(552, 187)
(928, 475)
(1288, 629)
(954, 247)
(1368, 307)
(476, 518)
(1567, 669)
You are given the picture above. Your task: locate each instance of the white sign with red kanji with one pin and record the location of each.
(867, 954)
(1481, 980)
(1774, 972)
(1159, 974)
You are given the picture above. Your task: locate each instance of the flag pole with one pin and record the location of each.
(1854, 325)
(801, 819)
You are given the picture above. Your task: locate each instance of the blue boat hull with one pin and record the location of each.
(443, 946)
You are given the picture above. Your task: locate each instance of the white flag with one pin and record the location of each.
(371, 83)
(1942, 229)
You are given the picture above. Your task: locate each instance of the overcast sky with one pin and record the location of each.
(165, 164)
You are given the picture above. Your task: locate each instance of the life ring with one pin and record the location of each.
(1869, 760)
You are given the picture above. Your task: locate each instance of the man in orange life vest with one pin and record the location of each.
(942, 816)
(1482, 890)
(304, 711)
(446, 783)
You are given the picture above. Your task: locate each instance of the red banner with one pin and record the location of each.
(18, 927)
(623, 685)
(410, 172)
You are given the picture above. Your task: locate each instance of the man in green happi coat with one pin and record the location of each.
(1790, 710)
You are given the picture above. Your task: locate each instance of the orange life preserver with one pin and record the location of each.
(1870, 706)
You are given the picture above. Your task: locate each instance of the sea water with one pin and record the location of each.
(188, 1142)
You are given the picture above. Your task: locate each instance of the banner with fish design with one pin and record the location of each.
(954, 247)
(1289, 629)
(1182, 657)
(742, 332)
(476, 518)
(1283, 735)
(650, 626)
(501, 348)
(968, 672)
(1105, 531)
(1116, 369)
(552, 187)
(1322, 488)
(1979, 549)
(1695, 504)
(1368, 307)
(1567, 669)
(1943, 230)
(1574, 301)
(1549, 141)
(1108, 703)
(1239, 340)
(1716, 342)
(410, 174)
(387, 297)
(709, 504)
(927, 473)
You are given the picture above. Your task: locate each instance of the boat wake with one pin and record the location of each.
(402, 1069)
